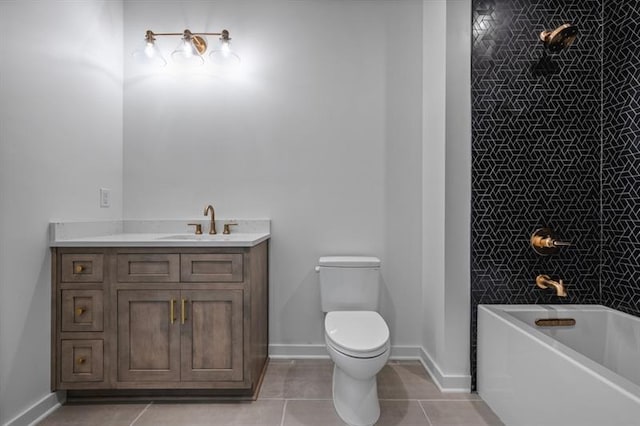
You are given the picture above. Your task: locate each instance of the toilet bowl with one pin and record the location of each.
(358, 344)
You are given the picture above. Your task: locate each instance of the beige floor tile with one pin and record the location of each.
(460, 413)
(311, 413)
(275, 378)
(409, 380)
(263, 413)
(401, 413)
(99, 414)
(322, 413)
(306, 379)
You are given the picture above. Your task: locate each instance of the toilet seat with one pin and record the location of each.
(360, 334)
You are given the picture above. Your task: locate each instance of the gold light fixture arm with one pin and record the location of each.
(150, 35)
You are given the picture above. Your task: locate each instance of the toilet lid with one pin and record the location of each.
(357, 333)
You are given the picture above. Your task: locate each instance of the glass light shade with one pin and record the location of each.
(187, 54)
(149, 54)
(224, 55)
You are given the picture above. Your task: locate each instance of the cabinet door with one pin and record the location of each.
(212, 335)
(148, 335)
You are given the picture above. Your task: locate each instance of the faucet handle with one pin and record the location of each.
(226, 230)
(198, 227)
(544, 243)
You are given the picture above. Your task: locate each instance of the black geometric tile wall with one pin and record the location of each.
(536, 149)
(621, 156)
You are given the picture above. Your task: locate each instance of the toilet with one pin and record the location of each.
(357, 337)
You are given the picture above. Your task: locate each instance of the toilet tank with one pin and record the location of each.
(349, 283)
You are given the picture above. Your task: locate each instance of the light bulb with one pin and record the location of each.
(187, 51)
(224, 55)
(149, 54)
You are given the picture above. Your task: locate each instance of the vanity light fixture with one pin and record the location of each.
(190, 50)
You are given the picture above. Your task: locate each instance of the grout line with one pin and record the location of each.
(425, 413)
(308, 399)
(141, 413)
(284, 409)
(431, 399)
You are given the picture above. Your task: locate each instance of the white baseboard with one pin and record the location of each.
(38, 411)
(446, 382)
(277, 351)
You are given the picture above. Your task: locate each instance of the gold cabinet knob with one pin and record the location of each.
(80, 360)
(79, 268)
(80, 311)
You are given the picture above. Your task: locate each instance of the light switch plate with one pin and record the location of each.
(105, 197)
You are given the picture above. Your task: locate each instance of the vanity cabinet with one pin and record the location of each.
(160, 319)
(188, 335)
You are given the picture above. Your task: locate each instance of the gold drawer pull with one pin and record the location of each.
(80, 311)
(79, 268)
(80, 360)
(172, 314)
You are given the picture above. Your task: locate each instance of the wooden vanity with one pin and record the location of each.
(175, 322)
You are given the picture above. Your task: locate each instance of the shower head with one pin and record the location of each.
(560, 38)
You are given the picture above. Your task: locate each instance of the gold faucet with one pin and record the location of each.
(543, 281)
(544, 243)
(212, 228)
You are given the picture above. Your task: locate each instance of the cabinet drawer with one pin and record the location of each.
(134, 268)
(82, 310)
(82, 361)
(86, 268)
(225, 267)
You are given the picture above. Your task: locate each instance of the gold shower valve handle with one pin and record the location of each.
(543, 243)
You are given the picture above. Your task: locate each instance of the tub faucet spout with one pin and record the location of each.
(544, 281)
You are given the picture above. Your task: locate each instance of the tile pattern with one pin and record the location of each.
(296, 393)
(536, 126)
(621, 156)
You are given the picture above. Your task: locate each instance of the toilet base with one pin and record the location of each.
(355, 400)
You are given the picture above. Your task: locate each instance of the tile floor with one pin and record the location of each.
(298, 392)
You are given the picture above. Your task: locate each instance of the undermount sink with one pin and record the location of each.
(194, 237)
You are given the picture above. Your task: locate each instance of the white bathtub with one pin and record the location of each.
(587, 374)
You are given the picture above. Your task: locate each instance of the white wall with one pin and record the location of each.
(60, 140)
(446, 172)
(456, 362)
(319, 131)
(433, 183)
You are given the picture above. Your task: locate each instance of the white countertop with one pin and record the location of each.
(157, 233)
